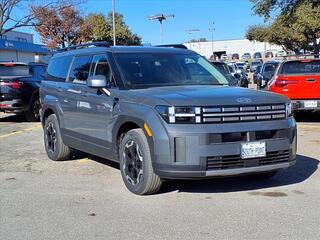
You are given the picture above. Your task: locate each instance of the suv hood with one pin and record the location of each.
(210, 96)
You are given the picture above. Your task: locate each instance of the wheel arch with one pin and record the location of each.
(124, 125)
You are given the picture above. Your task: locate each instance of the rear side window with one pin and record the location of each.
(14, 70)
(58, 68)
(270, 67)
(301, 67)
(80, 69)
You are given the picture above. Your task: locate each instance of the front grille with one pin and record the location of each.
(235, 161)
(243, 113)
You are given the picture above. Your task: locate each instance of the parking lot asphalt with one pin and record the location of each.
(84, 198)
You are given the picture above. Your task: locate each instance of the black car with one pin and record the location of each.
(19, 88)
(266, 73)
(256, 74)
(224, 69)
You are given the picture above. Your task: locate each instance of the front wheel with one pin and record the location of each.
(136, 164)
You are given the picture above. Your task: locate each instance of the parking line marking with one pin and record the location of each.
(308, 126)
(21, 131)
(83, 160)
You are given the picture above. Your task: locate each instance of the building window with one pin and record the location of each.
(21, 39)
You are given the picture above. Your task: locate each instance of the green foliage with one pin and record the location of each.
(257, 33)
(266, 7)
(102, 29)
(295, 30)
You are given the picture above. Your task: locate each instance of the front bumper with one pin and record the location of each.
(214, 150)
(301, 105)
(12, 106)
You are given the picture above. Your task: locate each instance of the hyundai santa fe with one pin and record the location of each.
(162, 113)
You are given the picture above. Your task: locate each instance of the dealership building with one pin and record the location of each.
(229, 47)
(19, 46)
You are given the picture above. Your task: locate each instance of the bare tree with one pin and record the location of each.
(6, 8)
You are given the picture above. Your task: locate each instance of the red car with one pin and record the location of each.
(299, 80)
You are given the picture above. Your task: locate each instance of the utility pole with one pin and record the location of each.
(212, 29)
(160, 18)
(114, 22)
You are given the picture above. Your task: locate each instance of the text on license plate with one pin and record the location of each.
(253, 150)
(310, 104)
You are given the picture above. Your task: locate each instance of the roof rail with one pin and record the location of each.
(181, 46)
(86, 45)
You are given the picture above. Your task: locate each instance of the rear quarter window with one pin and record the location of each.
(301, 67)
(14, 70)
(58, 68)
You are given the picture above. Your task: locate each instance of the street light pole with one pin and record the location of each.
(114, 22)
(160, 18)
(212, 29)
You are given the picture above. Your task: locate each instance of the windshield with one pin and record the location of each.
(9, 70)
(301, 67)
(142, 70)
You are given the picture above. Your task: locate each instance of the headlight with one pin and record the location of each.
(180, 114)
(289, 109)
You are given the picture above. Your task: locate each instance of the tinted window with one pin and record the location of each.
(301, 67)
(58, 68)
(140, 70)
(270, 67)
(80, 69)
(14, 70)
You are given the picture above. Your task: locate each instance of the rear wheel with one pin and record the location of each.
(33, 113)
(136, 164)
(55, 148)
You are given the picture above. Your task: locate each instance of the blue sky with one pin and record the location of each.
(231, 17)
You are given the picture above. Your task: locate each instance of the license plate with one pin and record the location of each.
(253, 150)
(310, 104)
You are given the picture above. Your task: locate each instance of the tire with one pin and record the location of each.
(136, 164)
(55, 148)
(33, 113)
(264, 175)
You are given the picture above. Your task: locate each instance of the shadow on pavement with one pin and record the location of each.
(300, 172)
(12, 118)
(307, 117)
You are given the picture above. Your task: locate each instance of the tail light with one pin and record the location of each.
(14, 85)
(281, 82)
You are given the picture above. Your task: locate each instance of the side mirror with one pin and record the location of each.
(237, 75)
(97, 81)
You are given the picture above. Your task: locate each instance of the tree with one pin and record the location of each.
(97, 24)
(295, 30)
(266, 7)
(6, 8)
(124, 35)
(257, 33)
(60, 26)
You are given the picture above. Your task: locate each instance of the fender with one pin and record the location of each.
(122, 119)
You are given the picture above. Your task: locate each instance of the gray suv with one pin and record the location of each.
(162, 113)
